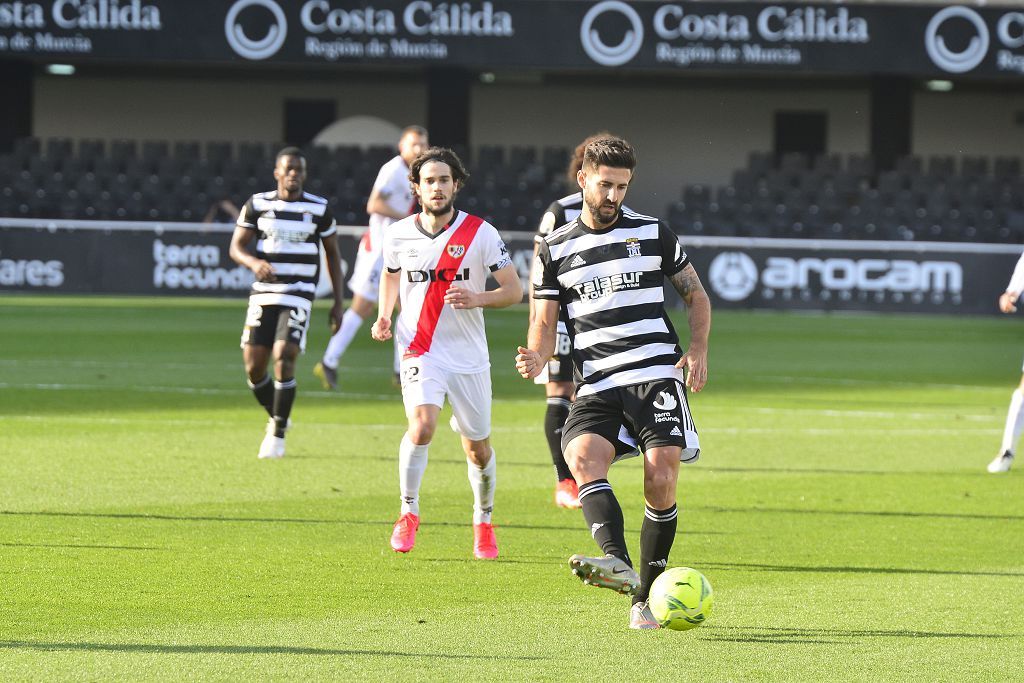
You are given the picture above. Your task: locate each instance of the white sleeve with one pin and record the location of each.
(495, 253)
(385, 175)
(1016, 285)
(391, 261)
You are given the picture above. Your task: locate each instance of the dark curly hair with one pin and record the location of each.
(611, 151)
(576, 161)
(443, 155)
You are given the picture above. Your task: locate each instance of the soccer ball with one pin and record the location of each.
(681, 598)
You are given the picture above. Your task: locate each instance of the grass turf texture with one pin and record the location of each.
(841, 510)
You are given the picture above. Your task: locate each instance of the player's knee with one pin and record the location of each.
(421, 432)
(660, 486)
(479, 452)
(362, 307)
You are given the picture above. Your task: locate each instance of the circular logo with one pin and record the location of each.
(946, 59)
(733, 275)
(245, 46)
(611, 55)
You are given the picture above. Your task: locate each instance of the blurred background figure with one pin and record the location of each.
(390, 199)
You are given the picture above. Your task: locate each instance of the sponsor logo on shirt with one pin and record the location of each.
(606, 286)
(438, 274)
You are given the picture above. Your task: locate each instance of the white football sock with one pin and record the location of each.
(412, 463)
(350, 324)
(1014, 422)
(482, 480)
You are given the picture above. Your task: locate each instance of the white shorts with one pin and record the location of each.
(365, 280)
(469, 394)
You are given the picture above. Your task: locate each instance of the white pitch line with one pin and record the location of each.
(728, 431)
(116, 365)
(838, 381)
(395, 396)
(878, 414)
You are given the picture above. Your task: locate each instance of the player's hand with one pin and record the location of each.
(334, 319)
(528, 362)
(695, 360)
(381, 330)
(461, 298)
(1007, 302)
(263, 271)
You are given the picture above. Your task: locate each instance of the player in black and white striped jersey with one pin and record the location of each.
(557, 373)
(290, 225)
(605, 270)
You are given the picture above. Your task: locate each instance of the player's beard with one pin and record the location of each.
(603, 211)
(445, 208)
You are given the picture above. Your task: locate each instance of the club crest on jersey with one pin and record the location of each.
(456, 250)
(632, 247)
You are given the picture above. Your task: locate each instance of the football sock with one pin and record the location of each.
(482, 480)
(263, 390)
(604, 517)
(350, 324)
(1014, 421)
(412, 463)
(554, 420)
(656, 536)
(284, 397)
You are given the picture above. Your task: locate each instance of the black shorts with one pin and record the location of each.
(653, 413)
(265, 325)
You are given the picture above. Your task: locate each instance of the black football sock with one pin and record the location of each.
(604, 517)
(554, 420)
(263, 390)
(284, 397)
(656, 537)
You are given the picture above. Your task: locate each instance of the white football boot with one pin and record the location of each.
(1001, 463)
(605, 572)
(641, 618)
(272, 446)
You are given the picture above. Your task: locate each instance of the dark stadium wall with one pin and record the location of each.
(687, 131)
(969, 123)
(684, 133)
(16, 104)
(247, 108)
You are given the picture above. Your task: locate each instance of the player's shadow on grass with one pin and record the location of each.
(505, 462)
(825, 636)
(77, 546)
(827, 470)
(288, 520)
(854, 570)
(757, 509)
(148, 648)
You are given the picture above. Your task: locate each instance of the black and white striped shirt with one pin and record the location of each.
(609, 285)
(566, 209)
(290, 233)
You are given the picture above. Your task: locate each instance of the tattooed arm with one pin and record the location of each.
(698, 312)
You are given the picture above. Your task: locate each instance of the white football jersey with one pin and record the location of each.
(393, 185)
(463, 254)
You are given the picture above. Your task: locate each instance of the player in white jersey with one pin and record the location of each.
(1015, 415)
(390, 199)
(438, 261)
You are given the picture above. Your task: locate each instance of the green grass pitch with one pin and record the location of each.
(841, 510)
